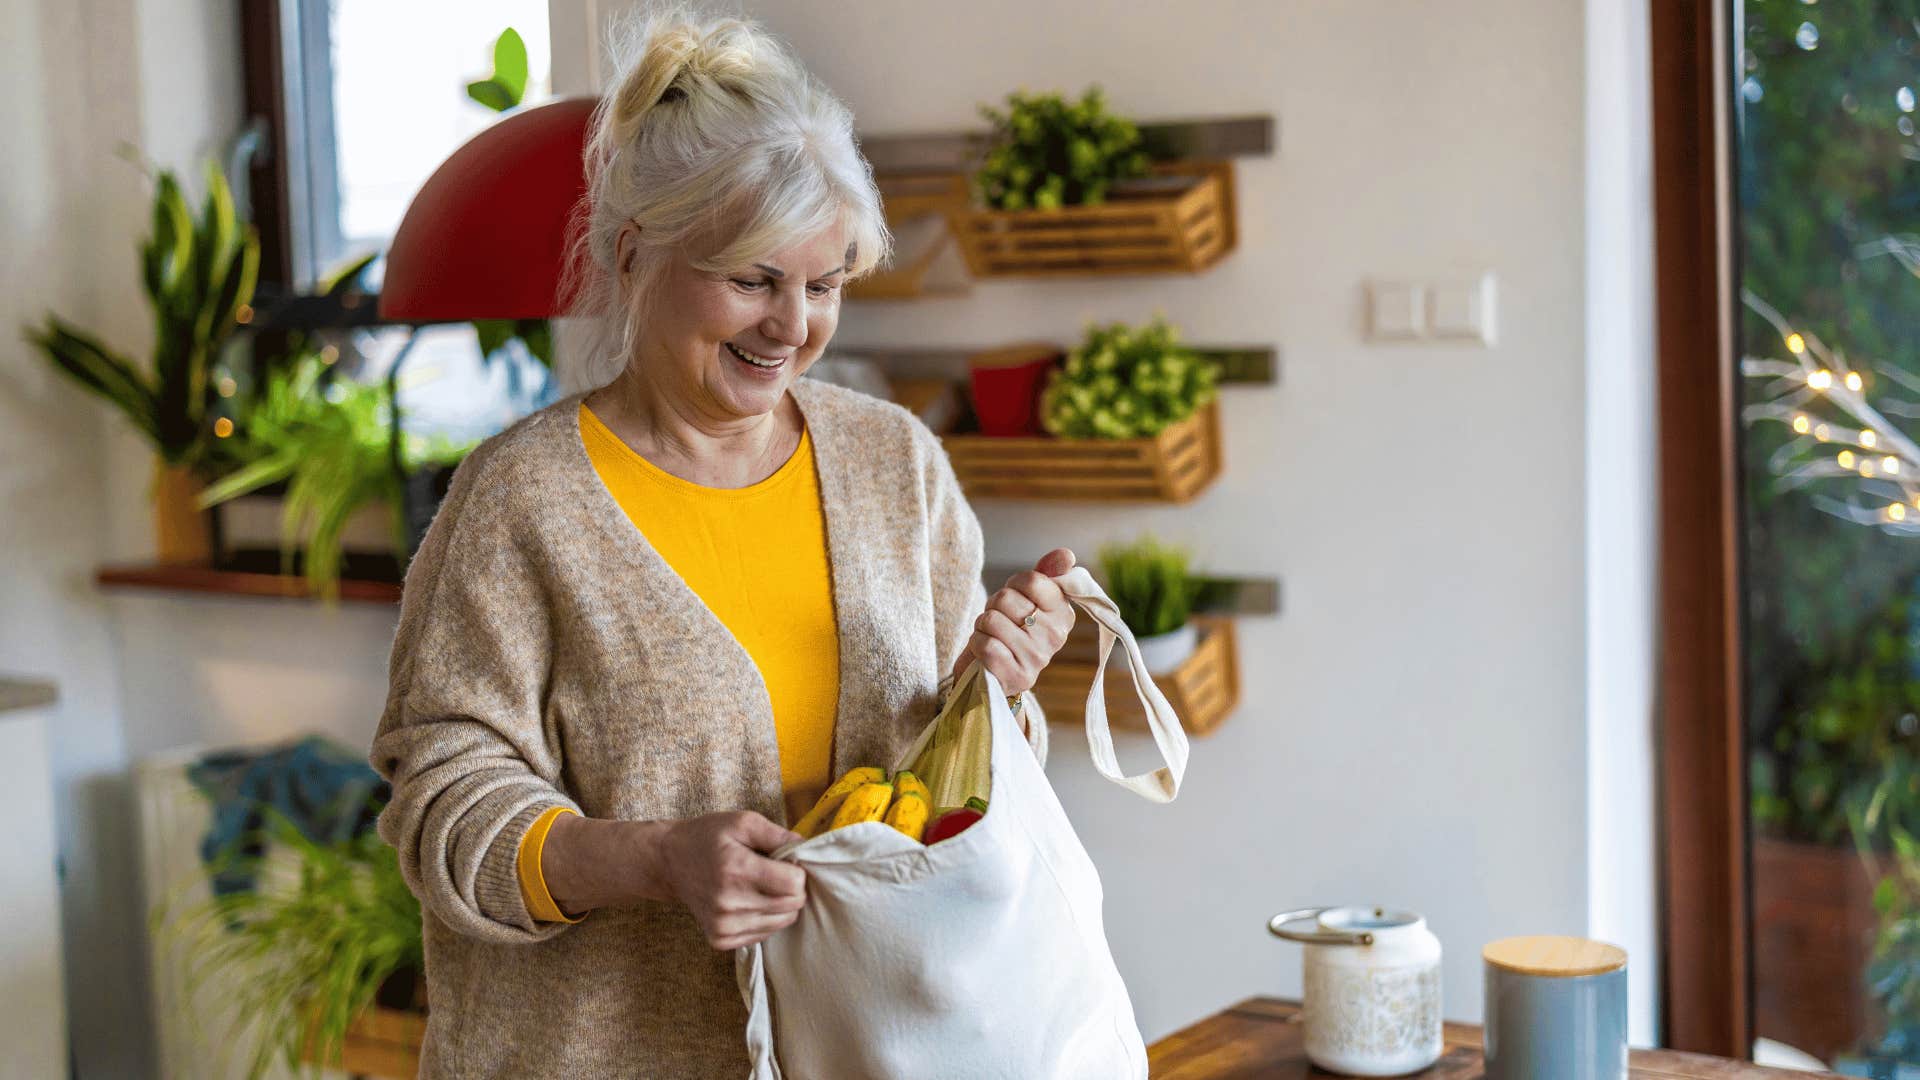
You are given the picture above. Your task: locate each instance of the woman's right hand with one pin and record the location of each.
(717, 866)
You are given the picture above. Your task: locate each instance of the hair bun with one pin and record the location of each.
(682, 53)
(668, 53)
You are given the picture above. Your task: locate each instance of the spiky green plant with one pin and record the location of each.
(328, 439)
(1150, 583)
(198, 275)
(1124, 382)
(302, 953)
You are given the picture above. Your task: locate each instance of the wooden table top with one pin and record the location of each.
(1261, 1039)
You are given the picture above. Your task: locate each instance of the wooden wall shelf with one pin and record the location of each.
(205, 579)
(1202, 691)
(1256, 135)
(1173, 466)
(1242, 365)
(1218, 596)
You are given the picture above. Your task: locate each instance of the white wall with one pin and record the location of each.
(1414, 731)
(76, 82)
(62, 196)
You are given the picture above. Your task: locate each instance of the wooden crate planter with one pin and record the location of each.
(1173, 466)
(1202, 691)
(1149, 231)
(383, 1044)
(920, 210)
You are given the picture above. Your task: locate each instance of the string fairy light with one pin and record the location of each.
(1822, 397)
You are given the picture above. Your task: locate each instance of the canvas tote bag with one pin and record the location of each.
(983, 956)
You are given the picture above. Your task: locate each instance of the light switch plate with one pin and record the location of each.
(1462, 310)
(1398, 311)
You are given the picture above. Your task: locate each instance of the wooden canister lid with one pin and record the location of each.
(1555, 957)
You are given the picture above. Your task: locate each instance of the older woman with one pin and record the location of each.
(651, 623)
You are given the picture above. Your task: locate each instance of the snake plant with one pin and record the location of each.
(199, 274)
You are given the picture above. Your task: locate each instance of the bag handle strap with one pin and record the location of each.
(1163, 783)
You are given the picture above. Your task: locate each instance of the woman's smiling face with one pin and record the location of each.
(730, 344)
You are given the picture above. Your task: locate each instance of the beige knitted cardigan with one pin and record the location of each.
(546, 655)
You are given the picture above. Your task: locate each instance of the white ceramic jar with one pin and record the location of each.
(1372, 988)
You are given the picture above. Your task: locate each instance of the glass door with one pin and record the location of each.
(1828, 287)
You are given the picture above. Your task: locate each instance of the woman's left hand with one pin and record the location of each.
(1025, 623)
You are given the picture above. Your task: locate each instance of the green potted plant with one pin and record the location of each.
(1046, 153)
(1151, 584)
(1123, 382)
(199, 277)
(1067, 187)
(327, 438)
(325, 930)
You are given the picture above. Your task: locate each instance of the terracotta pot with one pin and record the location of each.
(180, 530)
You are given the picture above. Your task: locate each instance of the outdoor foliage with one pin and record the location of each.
(1829, 166)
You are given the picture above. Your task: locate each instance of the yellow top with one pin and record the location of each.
(758, 557)
(1557, 957)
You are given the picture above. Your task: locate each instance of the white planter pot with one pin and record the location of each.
(1165, 652)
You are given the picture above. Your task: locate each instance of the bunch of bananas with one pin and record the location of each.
(956, 763)
(866, 794)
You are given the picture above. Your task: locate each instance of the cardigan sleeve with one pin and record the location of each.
(958, 557)
(462, 738)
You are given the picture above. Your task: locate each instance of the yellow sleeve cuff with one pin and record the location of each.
(533, 886)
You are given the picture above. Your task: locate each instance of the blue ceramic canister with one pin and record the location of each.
(1556, 1009)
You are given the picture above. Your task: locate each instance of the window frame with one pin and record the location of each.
(1705, 910)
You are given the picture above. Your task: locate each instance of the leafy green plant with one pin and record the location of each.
(1825, 169)
(300, 955)
(1885, 819)
(198, 276)
(1150, 583)
(508, 84)
(328, 439)
(1123, 383)
(1853, 709)
(504, 90)
(1046, 153)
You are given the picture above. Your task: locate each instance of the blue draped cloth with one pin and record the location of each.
(325, 790)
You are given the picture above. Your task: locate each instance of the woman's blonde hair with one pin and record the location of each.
(710, 132)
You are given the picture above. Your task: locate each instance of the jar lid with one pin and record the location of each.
(1555, 957)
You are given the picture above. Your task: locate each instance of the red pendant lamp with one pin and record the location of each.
(486, 236)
